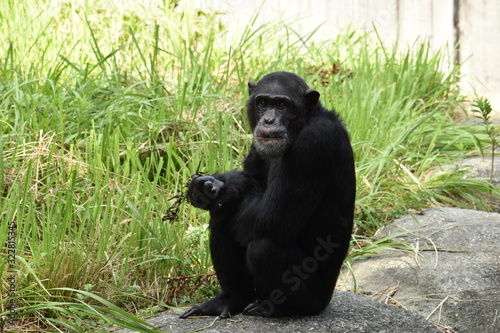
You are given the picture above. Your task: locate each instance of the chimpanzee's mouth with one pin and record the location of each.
(268, 140)
(267, 135)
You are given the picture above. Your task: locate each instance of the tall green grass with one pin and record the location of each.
(105, 113)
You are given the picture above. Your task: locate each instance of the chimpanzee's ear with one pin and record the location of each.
(251, 87)
(311, 96)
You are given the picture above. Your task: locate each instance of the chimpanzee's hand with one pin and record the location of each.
(204, 191)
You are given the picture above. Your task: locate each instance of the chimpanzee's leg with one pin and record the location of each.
(229, 262)
(287, 282)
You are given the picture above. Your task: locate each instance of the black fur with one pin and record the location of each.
(280, 229)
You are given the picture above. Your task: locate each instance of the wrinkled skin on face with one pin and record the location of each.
(277, 110)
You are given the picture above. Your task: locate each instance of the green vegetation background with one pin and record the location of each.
(106, 112)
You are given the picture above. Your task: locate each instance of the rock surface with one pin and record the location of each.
(453, 274)
(347, 313)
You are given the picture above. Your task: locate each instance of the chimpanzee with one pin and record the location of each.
(280, 229)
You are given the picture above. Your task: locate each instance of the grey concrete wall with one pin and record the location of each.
(479, 25)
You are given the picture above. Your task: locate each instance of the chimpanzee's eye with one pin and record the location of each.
(282, 105)
(262, 103)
